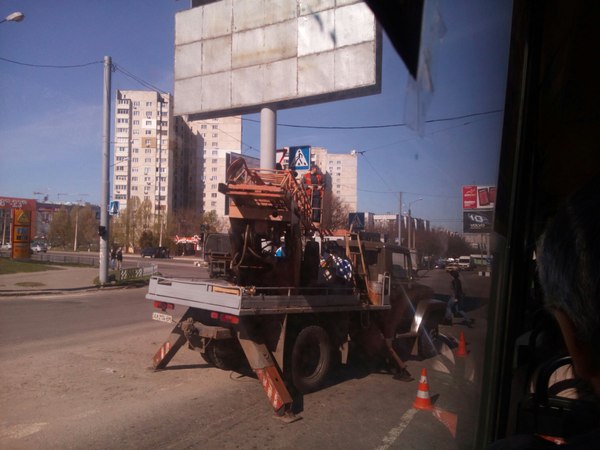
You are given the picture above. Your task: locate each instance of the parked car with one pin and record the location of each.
(155, 252)
(452, 266)
(39, 247)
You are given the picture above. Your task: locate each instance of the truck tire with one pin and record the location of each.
(428, 336)
(224, 354)
(311, 359)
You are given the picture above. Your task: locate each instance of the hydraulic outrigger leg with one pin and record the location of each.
(263, 364)
(258, 355)
(171, 346)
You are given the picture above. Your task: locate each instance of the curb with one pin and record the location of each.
(59, 291)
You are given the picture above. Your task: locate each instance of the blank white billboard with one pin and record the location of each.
(236, 56)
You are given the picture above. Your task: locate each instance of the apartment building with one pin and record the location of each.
(342, 171)
(222, 138)
(157, 157)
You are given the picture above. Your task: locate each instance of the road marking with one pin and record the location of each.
(395, 432)
(20, 431)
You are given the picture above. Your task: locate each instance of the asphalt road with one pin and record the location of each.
(75, 375)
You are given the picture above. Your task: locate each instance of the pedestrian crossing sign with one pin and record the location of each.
(357, 221)
(300, 158)
(113, 208)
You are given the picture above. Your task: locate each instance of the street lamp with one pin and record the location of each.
(411, 237)
(14, 17)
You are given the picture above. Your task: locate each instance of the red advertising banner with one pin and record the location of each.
(469, 197)
(478, 197)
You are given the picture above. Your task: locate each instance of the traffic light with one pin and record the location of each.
(102, 231)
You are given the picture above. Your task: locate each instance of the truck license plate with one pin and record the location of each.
(162, 317)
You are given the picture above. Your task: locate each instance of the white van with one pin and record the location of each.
(464, 263)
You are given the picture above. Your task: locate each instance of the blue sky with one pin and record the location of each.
(51, 118)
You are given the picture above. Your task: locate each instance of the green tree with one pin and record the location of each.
(118, 230)
(84, 219)
(148, 239)
(184, 222)
(211, 221)
(60, 232)
(457, 246)
(144, 216)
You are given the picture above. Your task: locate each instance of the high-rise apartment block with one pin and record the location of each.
(155, 154)
(222, 139)
(176, 164)
(342, 169)
(173, 163)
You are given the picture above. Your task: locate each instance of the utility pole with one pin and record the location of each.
(76, 228)
(400, 218)
(80, 201)
(105, 187)
(411, 237)
(160, 101)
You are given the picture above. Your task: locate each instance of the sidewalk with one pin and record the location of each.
(62, 279)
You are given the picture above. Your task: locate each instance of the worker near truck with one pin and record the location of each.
(456, 303)
(314, 185)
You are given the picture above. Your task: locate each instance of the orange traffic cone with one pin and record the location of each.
(462, 346)
(423, 401)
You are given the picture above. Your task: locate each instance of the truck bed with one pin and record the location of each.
(241, 301)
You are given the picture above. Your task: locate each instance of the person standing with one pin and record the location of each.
(457, 300)
(314, 184)
(119, 258)
(113, 258)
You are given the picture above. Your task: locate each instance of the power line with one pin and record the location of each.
(375, 170)
(391, 125)
(410, 193)
(137, 79)
(51, 66)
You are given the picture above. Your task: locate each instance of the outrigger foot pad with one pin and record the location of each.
(287, 417)
(403, 375)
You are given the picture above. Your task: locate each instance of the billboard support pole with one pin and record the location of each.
(268, 137)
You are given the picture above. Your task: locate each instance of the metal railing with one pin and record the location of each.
(87, 260)
(133, 273)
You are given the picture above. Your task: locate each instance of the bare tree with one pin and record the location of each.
(335, 212)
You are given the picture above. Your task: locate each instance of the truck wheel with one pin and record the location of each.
(225, 354)
(428, 336)
(311, 358)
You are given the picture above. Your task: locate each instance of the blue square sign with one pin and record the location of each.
(299, 158)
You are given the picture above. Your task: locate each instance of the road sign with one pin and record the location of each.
(300, 158)
(356, 221)
(113, 208)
